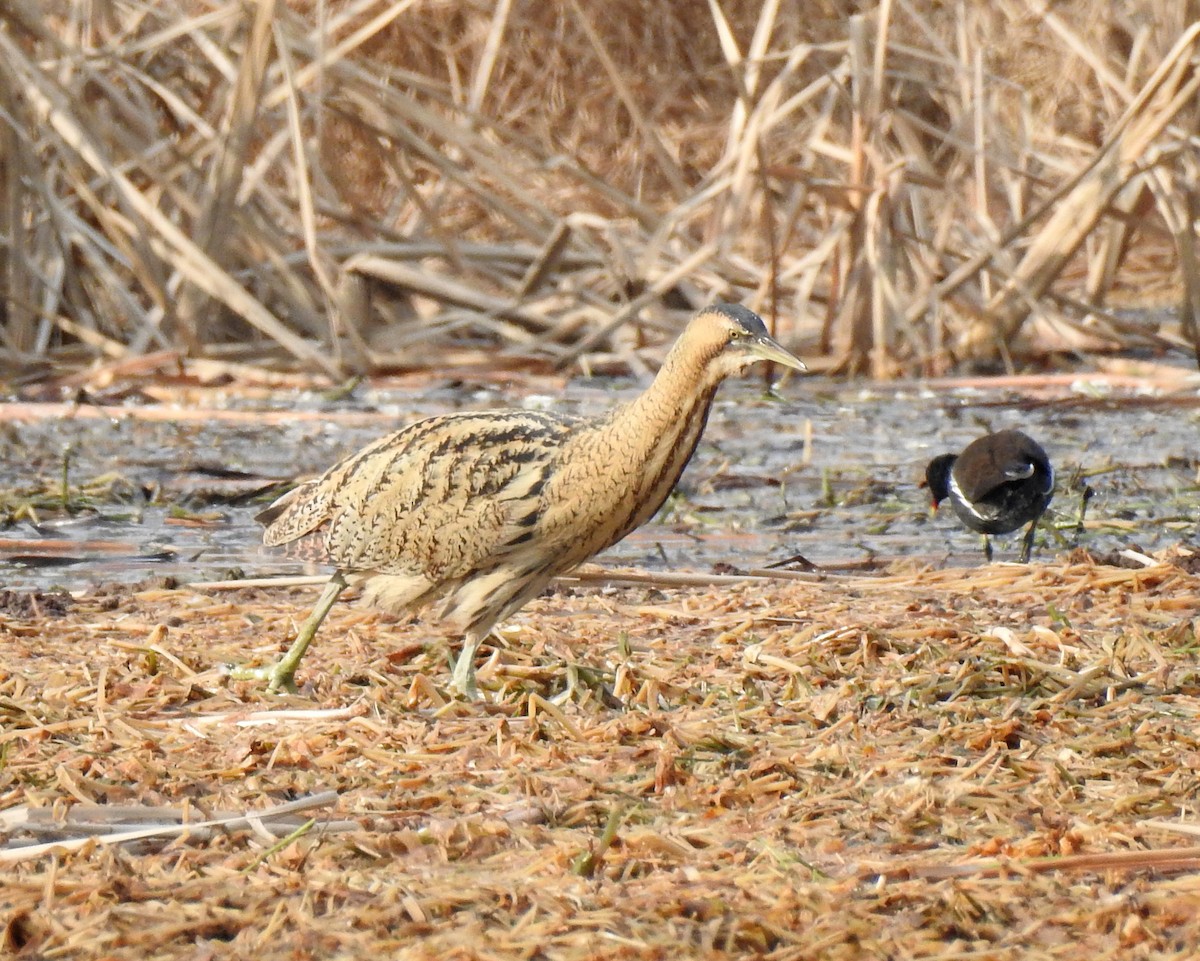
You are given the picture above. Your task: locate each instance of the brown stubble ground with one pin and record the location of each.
(862, 767)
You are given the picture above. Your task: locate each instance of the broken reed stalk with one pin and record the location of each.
(226, 173)
(1179, 209)
(1171, 88)
(1166, 860)
(11, 854)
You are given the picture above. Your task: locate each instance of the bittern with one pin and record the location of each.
(480, 510)
(999, 482)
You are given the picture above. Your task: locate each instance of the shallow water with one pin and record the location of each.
(748, 498)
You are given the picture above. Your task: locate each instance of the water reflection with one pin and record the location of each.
(186, 495)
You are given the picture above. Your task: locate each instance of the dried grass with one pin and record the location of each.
(994, 763)
(378, 183)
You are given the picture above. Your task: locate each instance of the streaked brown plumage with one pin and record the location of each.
(479, 511)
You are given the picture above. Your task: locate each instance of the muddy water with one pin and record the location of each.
(829, 472)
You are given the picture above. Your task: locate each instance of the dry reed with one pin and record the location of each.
(384, 183)
(992, 763)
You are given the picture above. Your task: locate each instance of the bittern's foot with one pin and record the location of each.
(279, 676)
(462, 682)
(568, 694)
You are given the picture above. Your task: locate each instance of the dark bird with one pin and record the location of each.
(999, 482)
(478, 511)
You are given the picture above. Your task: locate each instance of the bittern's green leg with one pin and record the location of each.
(463, 679)
(283, 673)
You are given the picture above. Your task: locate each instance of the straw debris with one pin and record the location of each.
(918, 764)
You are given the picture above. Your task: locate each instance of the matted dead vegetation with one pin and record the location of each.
(994, 763)
(381, 183)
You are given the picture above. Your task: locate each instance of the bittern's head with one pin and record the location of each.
(733, 337)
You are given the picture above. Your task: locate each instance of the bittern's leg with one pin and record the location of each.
(283, 673)
(463, 679)
(987, 548)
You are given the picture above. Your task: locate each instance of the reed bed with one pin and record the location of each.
(901, 188)
(993, 763)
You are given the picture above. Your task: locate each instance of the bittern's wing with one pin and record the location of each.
(439, 498)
